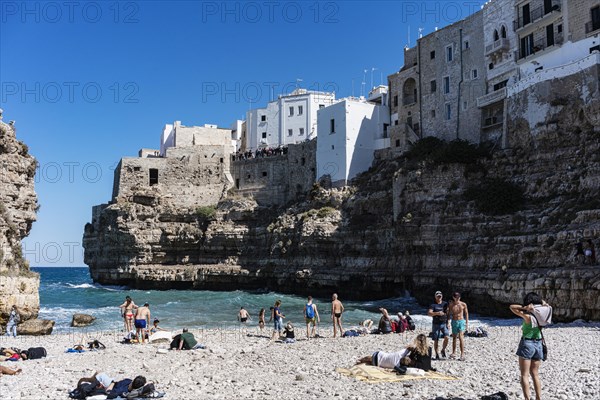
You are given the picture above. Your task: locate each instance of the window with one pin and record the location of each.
(465, 105)
(263, 118)
(496, 36)
(300, 110)
(321, 106)
(290, 132)
(526, 14)
(559, 28)
(449, 53)
(385, 130)
(474, 74)
(264, 173)
(595, 18)
(432, 113)
(153, 176)
(547, 6)
(433, 85)
(432, 55)
(264, 135)
(396, 101)
(302, 161)
(500, 85)
(503, 32)
(526, 46)
(550, 35)
(397, 142)
(466, 44)
(301, 132)
(291, 111)
(448, 112)
(332, 126)
(491, 66)
(137, 168)
(446, 84)
(396, 121)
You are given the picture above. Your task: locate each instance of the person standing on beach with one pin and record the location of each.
(277, 320)
(337, 308)
(459, 314)
(261, 319)
(311, 316)
(127, 313)
(13, 319)
(530, 349)
(142, 320)
(440, 323)
(243, 316)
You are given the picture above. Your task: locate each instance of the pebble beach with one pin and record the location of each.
(245, 364)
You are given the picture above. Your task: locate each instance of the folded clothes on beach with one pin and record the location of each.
(372, 374)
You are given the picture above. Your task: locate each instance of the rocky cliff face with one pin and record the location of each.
(18, 206)
(404, 225)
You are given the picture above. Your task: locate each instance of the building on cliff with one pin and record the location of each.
(290, 119)
(193, 168)
(457, 82)
(351, 130)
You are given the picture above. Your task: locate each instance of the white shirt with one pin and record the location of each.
(390, 360)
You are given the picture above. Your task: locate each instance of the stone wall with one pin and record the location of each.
(579, 14)
(277, 180)
(18, 206)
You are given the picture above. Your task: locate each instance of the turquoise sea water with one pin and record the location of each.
(66, 291)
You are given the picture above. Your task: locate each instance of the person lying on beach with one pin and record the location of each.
(100, 382)
(417, 355)
(9, 371)
(185, 341)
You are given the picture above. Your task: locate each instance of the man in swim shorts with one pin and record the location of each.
(243, 316)
(142, 320)
(459, 314)
(439, 324)
(337, 308)
(311, 316)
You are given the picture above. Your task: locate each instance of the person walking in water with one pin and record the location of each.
(127, 313)
(142, 320)
(337, 308)
(440, 323)
(243, 315)
(459, 314)
(311, 316)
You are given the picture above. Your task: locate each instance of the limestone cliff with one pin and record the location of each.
(405, 224)
(18, 206)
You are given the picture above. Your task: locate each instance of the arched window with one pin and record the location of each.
(496, 37)
(409, 92)
(503, 32)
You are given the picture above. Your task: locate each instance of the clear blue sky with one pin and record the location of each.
(90, 82)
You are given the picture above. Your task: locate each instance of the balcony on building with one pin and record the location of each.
(491, 122)
(499, 46)
(537, 15)
(539, 46)
(409, 100)
(491, 98)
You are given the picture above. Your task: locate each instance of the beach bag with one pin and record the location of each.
(36, 352)
(544, 347)
(310, 311)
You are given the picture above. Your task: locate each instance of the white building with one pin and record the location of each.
(349, 132)
(290, 119)
(237, 132)
(177, 135)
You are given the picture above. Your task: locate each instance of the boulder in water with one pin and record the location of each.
(80, 320)
(36, 327)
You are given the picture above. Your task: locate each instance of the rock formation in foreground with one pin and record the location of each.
(18, 206)
(492, 227)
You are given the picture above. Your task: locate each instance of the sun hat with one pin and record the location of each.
(438, 293)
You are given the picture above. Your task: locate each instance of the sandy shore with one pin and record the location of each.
(236, 365)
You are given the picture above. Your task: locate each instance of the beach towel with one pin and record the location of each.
(372, 374)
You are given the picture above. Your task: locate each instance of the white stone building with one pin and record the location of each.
(177, 135)
(350, 130)
(290, 119)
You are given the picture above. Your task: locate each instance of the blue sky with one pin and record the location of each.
(90, 82)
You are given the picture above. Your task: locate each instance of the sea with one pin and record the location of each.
(65, 291)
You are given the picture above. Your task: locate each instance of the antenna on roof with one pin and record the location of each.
(298, 80)
(372, 69)
(408, 43)
(363, 84)
(420, 33)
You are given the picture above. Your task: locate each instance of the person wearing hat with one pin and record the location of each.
(459, 314)
(440, 324)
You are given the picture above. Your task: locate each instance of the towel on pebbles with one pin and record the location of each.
(372, 374)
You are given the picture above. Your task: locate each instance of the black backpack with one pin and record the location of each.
(33, 353)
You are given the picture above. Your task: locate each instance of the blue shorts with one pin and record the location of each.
(278, 324)
(140, 323)
(458, 325)
(439, 331)
(530, 349)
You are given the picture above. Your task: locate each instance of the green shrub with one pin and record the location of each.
(206, 212)
(325, 211)
(424, 148)
(496, 196)
(441, 152)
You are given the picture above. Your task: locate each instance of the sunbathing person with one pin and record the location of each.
(103, 382)
(9, 371)
(415, 355)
